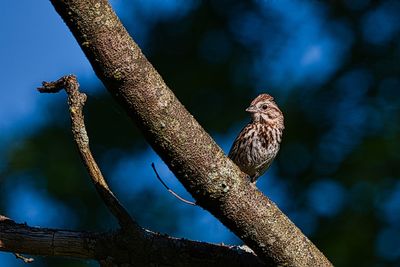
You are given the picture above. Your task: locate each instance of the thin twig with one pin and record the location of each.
(23, 258)
(169, 189)
(76, 101)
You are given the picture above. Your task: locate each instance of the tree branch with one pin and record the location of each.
(21, 238)
(23, 258)
(169, 189)
(214, 181)
(161, 250)
(76, 101)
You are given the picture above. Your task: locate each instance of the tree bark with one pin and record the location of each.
(214, 181)
(112, 247)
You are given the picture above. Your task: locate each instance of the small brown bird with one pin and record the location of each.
(258, 143)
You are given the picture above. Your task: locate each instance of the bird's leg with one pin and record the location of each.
(253, 178)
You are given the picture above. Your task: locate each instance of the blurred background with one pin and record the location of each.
(332, 66)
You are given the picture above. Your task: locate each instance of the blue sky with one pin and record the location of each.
(35, 46)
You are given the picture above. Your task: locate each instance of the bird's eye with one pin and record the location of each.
(264, 107)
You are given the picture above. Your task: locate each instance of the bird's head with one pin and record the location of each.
(264, 109)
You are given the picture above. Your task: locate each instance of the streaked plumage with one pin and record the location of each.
(258, 143)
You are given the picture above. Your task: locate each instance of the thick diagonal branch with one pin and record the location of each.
(215, 182)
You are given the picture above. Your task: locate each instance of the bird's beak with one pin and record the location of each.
(251, 109)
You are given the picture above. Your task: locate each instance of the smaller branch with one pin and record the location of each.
(76, 102)
(23, 258)
(169, 189)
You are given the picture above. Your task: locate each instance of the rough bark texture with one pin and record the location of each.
(113, 248)
(213, 180)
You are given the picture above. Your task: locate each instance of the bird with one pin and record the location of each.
(259, 141)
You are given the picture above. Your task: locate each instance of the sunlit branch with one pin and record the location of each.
(76, 102)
